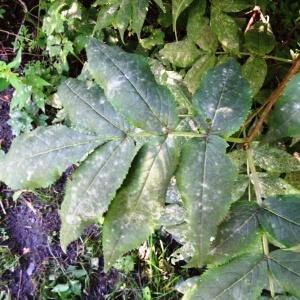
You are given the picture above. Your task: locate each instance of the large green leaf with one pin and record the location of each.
(255, 71)
(242, 278)
(281, 219)
(139, 11)
(238, 233)
(273, 159)
(178, 6)
(199, 31)
(285, 266)
(137, 208)
(226, 30)
(93, 186)
(284, 119)
(41, 156)
(88, 108)
(204, 177)
(223, 99)
(180, 54)
(131, 87)
(194, 75)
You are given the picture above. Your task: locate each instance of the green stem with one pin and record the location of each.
(257, 189)
(281, 59)
(187, 134)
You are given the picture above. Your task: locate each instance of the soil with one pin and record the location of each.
(32, 228)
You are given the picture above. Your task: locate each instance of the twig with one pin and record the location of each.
(273, 98)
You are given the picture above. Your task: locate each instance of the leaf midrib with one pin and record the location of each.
(237, 230)
(283, 266)
(237, 281)
(280, 216)
(93, 108)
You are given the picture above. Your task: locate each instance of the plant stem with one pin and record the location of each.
(257, 188)
(281, 59)
(274, 97)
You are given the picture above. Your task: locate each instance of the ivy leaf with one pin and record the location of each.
(259, 39)
(242, 278)
(273, 159)
(284, 119)
(131, 88)
(88, 108)
(255, 71)
(93, 186)
(178, 6)
(194, 75)
(238, 233)
(180, 54)
(281, 219)
(226, 30)
(42, 155)
(232, 5)
(139, 11)
(204, 177)
(223, 99)
(137, 208)
(285, 266)
(199, 31)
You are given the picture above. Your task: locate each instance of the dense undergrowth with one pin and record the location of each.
(150, 149)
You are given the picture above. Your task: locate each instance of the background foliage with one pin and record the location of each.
(165, 124)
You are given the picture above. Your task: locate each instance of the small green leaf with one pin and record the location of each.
(226, 30)
(272, 185)
(178, 6)
(194, 75)
(106, 16)
(199, 31)
(156, 38)
(238, 233)
(205, 176)
(131, 88)
(255, 71)
(281, 219)
(161, 5)
(180, 54)
(242, 278)
(4, 84)
(273, 159)
(16, 61)
(123, 17)
(259, 39)
(41, 156)
(285, 266)
(88, 108)
(139, 11)
(233, 5)
(223, 99)
(96, 181)
(137, 208)
(284, 119)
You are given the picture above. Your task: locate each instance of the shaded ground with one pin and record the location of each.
(32, 228)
